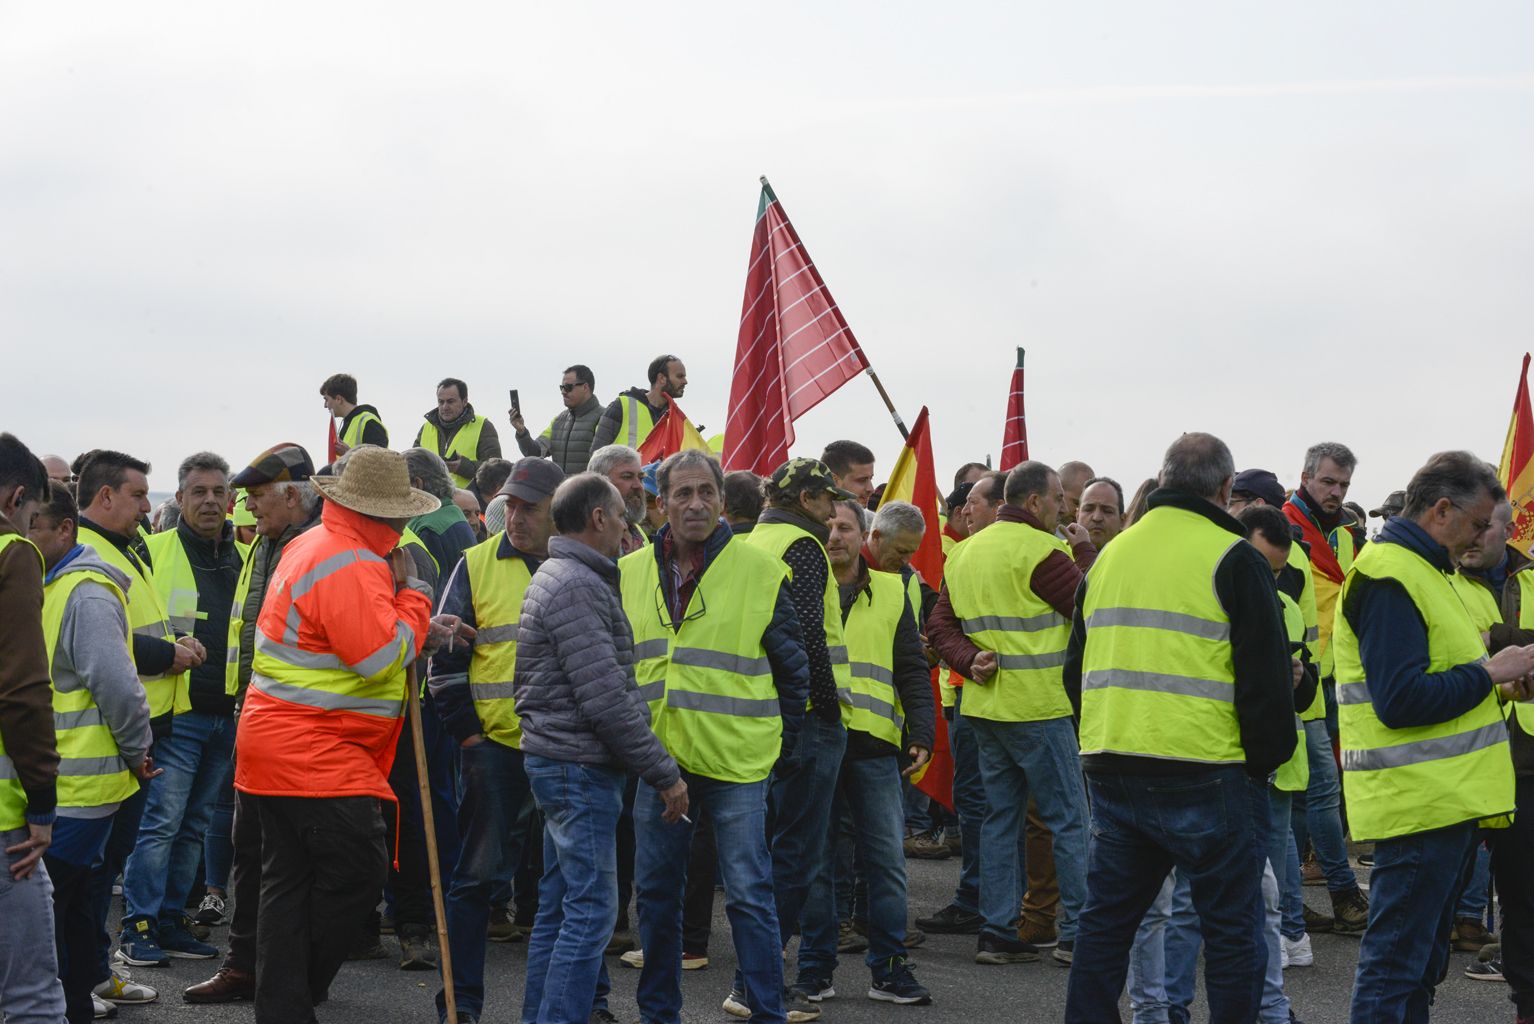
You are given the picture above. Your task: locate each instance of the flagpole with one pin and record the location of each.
(904, 433)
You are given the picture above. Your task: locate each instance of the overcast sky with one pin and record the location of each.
(1279, 223)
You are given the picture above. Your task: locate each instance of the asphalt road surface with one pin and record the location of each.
(376, 992)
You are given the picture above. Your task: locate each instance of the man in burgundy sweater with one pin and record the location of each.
(1017, 711)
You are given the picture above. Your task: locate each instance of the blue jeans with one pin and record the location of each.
(218, 845)
(1016, 759)
(870, 788)
(494, 804)
(119, 847)
(578, 897)
(1147, 960)
(28, 959)
(969, 802)
(1405, 950)
(198, 759)
(738, 811)
(1212, 826)
(800, 795)
(1286, 864)
(1474, 897)
(1318, 811)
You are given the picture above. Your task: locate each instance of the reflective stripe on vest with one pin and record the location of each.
(465, 443)
(775, 539)
(1402, 781)
(146, 617)
(636, 421)
(1158, 675)
(870, 627)
(1293, 776)
(13, 799)
(708, 685)
(352, 436)
(1300, 562)
(498, 586)
(237, 618)
(988, 586)
(91, 770)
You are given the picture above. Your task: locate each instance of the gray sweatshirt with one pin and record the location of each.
(92, 654)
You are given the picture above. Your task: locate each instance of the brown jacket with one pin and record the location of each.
(26, 694)
(1054, 580)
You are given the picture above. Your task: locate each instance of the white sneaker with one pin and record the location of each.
(121, 988)
(633, 958)
(1297, 953)
(101, 1009)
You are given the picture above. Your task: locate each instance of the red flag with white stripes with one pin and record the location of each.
(794, 349)
(1014, 437)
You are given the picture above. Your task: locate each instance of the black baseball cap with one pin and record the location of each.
(1259, 483)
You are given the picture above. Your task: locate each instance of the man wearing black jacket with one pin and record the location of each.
(1185, 697)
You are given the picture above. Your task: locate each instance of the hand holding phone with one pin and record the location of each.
(515, 412)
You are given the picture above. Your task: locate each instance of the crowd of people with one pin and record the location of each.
(1163, 716)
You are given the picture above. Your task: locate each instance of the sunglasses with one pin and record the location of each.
(567, 388)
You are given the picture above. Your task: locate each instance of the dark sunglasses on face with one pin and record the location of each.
(567, 388)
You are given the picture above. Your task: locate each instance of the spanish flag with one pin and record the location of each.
(1517, 468)
(672, 434)
(913, 479)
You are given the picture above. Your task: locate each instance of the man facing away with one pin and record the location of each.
(584, 728)
(630, 417)
(1185, 695)
(567, 440)
(722, 669)
(453, 430)
(360, 424)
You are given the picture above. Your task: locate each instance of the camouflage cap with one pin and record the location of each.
(798, 475)
(286, 462)
(1394, 502)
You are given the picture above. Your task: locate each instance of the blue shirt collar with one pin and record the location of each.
(1402, 531)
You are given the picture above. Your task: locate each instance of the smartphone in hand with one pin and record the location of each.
(516, 404)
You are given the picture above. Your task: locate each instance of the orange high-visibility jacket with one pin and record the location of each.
(327, 688)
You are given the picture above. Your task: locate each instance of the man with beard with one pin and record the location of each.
(631, 416)
(621, 465)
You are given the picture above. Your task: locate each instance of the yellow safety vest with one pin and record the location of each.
(409, 538)
(237, 619)
(1293, 775)
(352, 436)
(146, 617)
(1401, 781)
(1525, 577)
(775, 539)
(464, 444)
(1478, 599)
(1309, 615)
(636, 422)
(1327, 591)
(708, 683)
(498, 586)
(870, 628)
(988, 586)
(1158, 675)
(177, 584)
(91, 770)
(13, 799)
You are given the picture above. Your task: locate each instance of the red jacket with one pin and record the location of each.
(330, 613)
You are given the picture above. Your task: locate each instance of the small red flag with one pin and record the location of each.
(914, 479)
(794, 347)
(1014, 436)
(1517, 468)
(672, 434)
(330, 445)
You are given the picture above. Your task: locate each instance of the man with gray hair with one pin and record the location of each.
(1425, 752)
(278, 493)
(1316, 509)
(1185, 692)
(1002, 622)
(623, 468)
(896, 535)
(584, 730)
(444, 533)
(197, 566)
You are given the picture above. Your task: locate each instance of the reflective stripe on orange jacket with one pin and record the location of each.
(327, 691)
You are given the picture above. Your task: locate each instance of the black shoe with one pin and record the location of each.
(602, 1015)
(1484, 970)
(951, 921)
(415, 952)
(1064, 952)
(997, 949)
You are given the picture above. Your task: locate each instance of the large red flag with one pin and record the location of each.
(1517, 469)
(913, 479)
(794, 348)
(1014, 436)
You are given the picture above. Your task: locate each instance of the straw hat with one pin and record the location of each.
(376, 483)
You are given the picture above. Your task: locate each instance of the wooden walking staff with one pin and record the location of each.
(418, 744)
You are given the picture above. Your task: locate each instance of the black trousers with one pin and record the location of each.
(411, 883)
(323, 864)
(75, 933)
(1511, 850)
(244, 883)
(698, 898)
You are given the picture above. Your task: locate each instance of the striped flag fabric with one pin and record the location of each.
(913, 479)
(1014, 435)
(794, 347)
(1517, 468)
